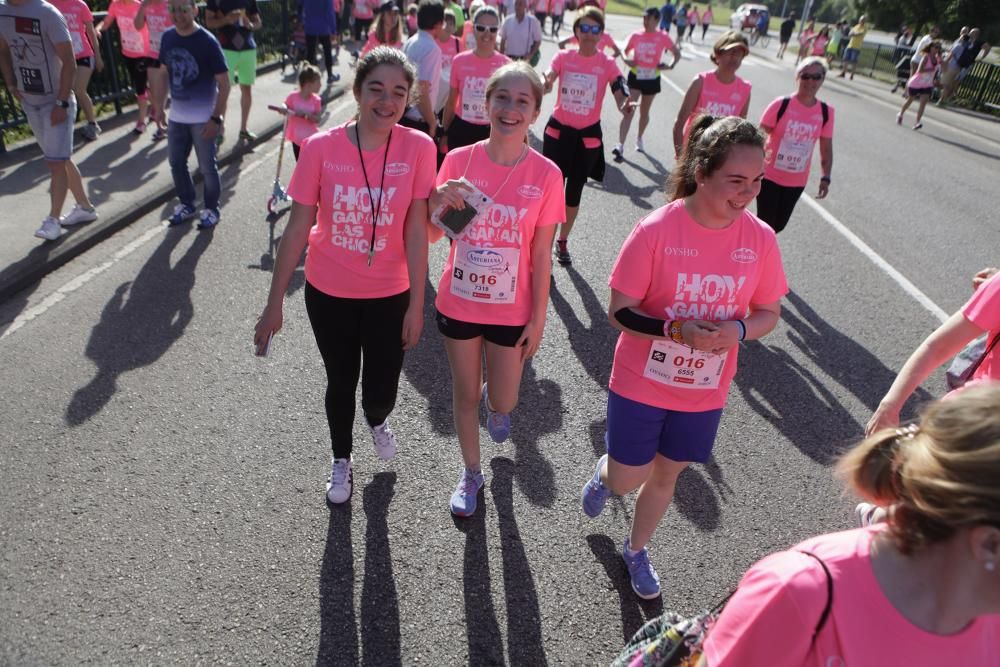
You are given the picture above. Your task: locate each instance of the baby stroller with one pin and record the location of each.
(902, 74)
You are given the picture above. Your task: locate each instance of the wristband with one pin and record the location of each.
(825, 178)
(743, 330)
(676, 331)
(62, 104)
(216, 119)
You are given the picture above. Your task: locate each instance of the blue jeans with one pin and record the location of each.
(180, 138)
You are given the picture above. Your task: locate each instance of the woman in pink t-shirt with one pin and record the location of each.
(573, 137)
(921, 590)
(706, 20)
(135, 47)
(359, 196)
(694, 279)
(717, 93)
(464, 116)
(154, 15)
(557, 8)
(694, 20)
(494, 291)
(386, 31)
(646, 48)
(920, 86)
(87, 52)
(979, 316)
(794, 125)
(363, 13)
(606, 44)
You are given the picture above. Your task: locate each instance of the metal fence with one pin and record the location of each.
(113, 86)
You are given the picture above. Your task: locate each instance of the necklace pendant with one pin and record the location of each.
(371, 256)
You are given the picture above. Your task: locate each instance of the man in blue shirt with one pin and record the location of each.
(667, 16)
(199, 86)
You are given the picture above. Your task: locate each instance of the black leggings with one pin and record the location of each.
(775, 203)
(704, 29)
(327, 50)
(361, 27)
(347, 330)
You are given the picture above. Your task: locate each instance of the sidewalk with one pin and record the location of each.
(126, 177)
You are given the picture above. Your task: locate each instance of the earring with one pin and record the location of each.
(990, 566)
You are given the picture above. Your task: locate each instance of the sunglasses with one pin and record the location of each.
(491, 28)
(593, 29)
(811, 77)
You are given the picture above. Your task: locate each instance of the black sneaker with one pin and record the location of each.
(617, 152)
(562, 253)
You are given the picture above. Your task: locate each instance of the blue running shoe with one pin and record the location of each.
(595, 495)
(463, 501)
(182, 213)
(497, 423)
(645, 581)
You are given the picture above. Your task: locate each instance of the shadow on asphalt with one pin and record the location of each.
(117, 166)
(141, 321)
(539, 411)
(592, 343)
(634, 610)
(380, 643)
(617, 182)
(338, 634)
(426, 366)
(482, 631)
(267, 259)
(962, 146)
(524, 620)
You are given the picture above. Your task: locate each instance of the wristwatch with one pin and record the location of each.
(62, 104)
(216, 119)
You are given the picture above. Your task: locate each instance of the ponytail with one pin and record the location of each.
(706, 150)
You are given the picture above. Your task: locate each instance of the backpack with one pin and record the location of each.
(784, 107)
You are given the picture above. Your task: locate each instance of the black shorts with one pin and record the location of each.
(87, 62)
(498, 334)
(917, 92)
(137, 70)
(463, 133)
(644, 86)
(775, 203)
(153, 63)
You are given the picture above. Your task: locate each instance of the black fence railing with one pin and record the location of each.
(113, 86)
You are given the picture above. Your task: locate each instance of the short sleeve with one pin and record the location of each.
(611, 70)
(770, 115)
(448, 169)
(827, 132)
(983, 309)
(85, 12)
(56, 27)
(112, 10)
(453, 76)
(290, 100)
(305, 183)
(424, 164)
(668, 44)
(553, 211)
(218, 58)
(557, 62)
(536, 29)
(771, 618)
(632, 273)
(630, 44)
(428, 63)
(772, 285)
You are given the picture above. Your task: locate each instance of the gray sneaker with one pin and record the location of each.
(50, 229)
(90, 131)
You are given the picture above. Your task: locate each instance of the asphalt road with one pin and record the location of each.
(161, 493)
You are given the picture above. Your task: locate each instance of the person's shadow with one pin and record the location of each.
(338, 635)
(634, 610)
(140, 322)
(267, 259)
(592, 342)
(380, 644)
(482, 631)
(427, 370)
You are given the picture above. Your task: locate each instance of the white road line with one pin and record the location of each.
(877, 259)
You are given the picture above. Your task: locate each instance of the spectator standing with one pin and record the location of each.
(320, 21)
(520, 34)
(924, 41)
(667, 12)
(950, 69)
(44, 86)
(154, 15)
(135, 48)
(234, 23)
(87, 51)
(853, 52)
(975, 48)
(199, 87)
(423, 51)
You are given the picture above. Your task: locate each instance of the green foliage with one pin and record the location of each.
(950, 15)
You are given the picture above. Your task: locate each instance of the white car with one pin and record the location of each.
(739, 19)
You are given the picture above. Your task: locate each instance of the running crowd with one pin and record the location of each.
(431, 155)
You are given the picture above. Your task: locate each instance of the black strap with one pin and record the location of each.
(974, 367)
(784, 107)
(829, 594)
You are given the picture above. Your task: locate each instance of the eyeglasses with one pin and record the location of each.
(811, 77)
(593, 29)
(483, 28)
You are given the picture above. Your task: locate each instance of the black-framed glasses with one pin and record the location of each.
(591, 28)
(811, 77)
(483, 28)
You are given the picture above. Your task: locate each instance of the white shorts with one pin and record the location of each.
(56, 141)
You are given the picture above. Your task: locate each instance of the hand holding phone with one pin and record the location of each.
(262, 350)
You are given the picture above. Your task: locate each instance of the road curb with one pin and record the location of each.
(13, 281)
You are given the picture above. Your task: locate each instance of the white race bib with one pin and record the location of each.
(485, 275)
(74, 38)
(132, 41)
(474, 101)
(578, 92)
(682, 367)
(646, 73)
(793, 154)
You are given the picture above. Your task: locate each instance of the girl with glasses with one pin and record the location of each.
(794, 125)
(464, 117)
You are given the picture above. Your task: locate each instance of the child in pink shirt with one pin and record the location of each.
(80, 22)
(717, 93)
(303, 108)
(493, 294)
(154, 15)
(135, 49)
(694, 278)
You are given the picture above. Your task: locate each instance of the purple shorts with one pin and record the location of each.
(638, 432)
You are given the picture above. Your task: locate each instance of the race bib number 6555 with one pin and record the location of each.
(682, 367)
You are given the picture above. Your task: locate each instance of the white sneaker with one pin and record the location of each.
(385, 441)
(868, 514)
(338, 487)
(50, 229)
(638, 145)
(78, 216)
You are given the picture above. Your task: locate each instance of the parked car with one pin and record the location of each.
(741, 19)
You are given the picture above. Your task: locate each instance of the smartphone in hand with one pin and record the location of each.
(262, 350)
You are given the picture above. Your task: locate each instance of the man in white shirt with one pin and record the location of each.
(423, 51)
(520, 34)
(924, 41)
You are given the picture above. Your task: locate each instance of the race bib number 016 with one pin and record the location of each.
(578, 92)
(486, 275)
(793, 155)
(682, 367)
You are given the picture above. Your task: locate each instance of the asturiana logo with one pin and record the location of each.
(397, 168)
(485, 258)
(530, 192)
(744, 256)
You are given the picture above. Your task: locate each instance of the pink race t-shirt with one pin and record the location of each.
(557, 7)
(583, 81)
(469, 74)
(495, 250)
(373, 41)
(983, 310)
(605, 43)
(299, 129)
(363, 9)
(682, 271)
(157, 21)
(329, 174)
(777, 607)
(647, 52)
(718, 99)
(819, 45)
(135, 43)
(790, 143)
(77, 15)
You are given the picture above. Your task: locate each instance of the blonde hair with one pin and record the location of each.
(937, 476)
(809, 62)
(518, 68)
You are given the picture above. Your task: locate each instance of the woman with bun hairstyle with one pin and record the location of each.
(359, 195)
(716, 93)
(921, 589)
(494, 290)
(682, 316)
